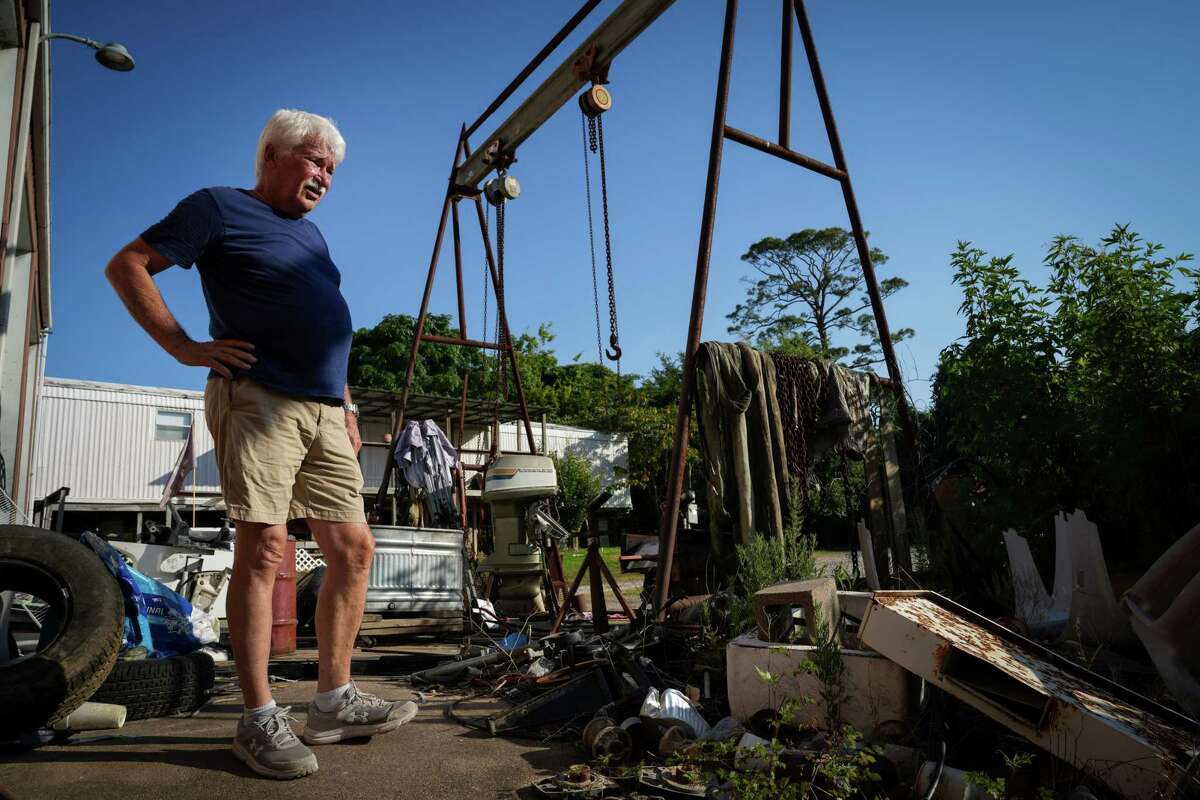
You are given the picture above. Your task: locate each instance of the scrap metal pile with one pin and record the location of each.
(834, 694)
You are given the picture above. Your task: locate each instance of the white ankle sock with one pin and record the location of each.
(327, 701)
(262, 711)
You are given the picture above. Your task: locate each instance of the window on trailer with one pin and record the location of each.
(172, 426)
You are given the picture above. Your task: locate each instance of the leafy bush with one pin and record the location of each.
(1083, 393)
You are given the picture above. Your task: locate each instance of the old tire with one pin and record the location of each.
(156, 687)
(56, 680)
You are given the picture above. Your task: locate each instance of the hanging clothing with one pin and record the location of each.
(427, 460)
(823, 405)
(744, 458)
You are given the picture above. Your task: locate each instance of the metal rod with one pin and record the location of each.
(670, 519)
(458, 274)
(610, 37)
(785, 74)
(436, 339)
(501, 312)
(770, 148)
(860, 239)
(419, 329)
(462, 413)
(571, 25)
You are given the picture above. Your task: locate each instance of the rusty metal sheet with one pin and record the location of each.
(1137, 747)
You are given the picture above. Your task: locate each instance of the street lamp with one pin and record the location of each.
(111, 55)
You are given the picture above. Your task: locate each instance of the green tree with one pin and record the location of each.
(1084, 393)
(810, 289)
(379, 358)
(577, 486)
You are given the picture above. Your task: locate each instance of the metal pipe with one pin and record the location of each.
(419, 328)
(436, 339)
(860, 239)
(785, 74)
(462, 306)
(670, 519)
(571, 25)
(770, 148)
(501, 313)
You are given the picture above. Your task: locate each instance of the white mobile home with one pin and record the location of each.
(114, 445)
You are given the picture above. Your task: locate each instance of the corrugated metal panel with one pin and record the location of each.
(415, 569)
(98, 439)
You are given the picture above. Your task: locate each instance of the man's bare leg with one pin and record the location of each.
(348, 548)
(258, 552)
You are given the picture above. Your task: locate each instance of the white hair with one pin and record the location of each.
(288, 128)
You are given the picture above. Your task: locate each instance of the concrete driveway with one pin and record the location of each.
(184, 758)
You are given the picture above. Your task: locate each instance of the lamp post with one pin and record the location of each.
(112, 55)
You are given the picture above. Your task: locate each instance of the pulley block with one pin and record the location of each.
(501, 188)
(595, 101)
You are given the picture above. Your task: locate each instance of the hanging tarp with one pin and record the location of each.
(744, 459)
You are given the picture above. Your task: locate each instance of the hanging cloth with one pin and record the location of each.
(744, 458)
(427, 460)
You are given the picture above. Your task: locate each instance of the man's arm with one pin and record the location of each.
(131, 273)
(352, 422)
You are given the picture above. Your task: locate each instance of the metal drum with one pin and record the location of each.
(283, 604)
(416, 570)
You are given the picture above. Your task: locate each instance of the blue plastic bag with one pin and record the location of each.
(156, 618)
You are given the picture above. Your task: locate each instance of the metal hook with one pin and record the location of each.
(613, 353)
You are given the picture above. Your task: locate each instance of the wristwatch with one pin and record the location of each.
(350, 408)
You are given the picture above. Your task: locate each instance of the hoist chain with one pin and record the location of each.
(501, 333)
(487, 278)
(589, 134)
(596, 145)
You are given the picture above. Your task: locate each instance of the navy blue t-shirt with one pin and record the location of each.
(268, 279)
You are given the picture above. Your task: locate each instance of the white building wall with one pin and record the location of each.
(98, 439)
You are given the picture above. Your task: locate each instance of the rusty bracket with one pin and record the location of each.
(496, 156)
(586, 70)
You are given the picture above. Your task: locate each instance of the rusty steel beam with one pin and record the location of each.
(458, 273)
(435, 339)
(785, 75)
(670, 518)
(770, 148)
(501, 313)
(860, 240)
(571, 25)
(611, 37)
(419, 329)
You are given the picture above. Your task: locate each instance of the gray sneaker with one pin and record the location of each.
(357, 714)
(269, 747)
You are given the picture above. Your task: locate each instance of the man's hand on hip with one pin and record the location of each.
(352, 431)
(219, 356)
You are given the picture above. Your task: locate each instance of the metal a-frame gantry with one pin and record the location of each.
(589, 63)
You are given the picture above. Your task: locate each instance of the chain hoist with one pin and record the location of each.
(587, 182)
(498, 191)
(593, 103)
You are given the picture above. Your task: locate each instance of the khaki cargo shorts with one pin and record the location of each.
(281, 457)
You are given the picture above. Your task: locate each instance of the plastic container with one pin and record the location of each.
(283, 603)
(92, 717)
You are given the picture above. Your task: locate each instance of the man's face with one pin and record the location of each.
(299, 178)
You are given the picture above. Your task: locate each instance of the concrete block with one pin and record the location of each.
(817, 597)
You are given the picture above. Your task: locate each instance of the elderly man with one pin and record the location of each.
(280, 412)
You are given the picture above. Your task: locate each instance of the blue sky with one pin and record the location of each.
(1004, 124)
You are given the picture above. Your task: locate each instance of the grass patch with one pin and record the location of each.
(573, 560)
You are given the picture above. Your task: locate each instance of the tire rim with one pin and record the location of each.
(26, 577)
